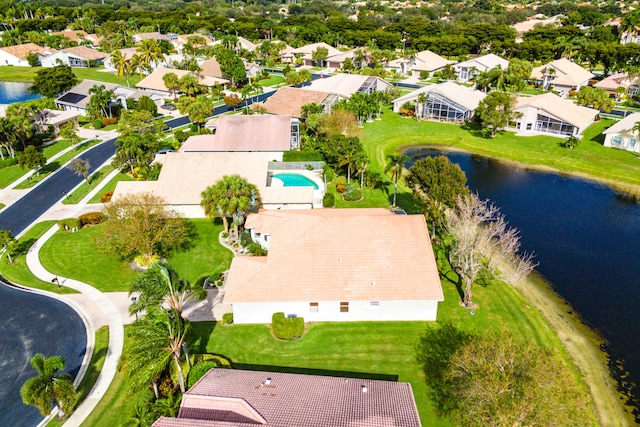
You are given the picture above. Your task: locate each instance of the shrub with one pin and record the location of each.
(424, 74)
(147, 260)
(198, 371)
(352, 192)
(329, 200)
(106, 121)
(147, 104)
(106, 197)
(340, 187)
(91, 218)
(256, 249)
(329, 174)
(287, 328)
(69, 224)
(227, 319)
(181, 136)
(8, 161)
(97, 124)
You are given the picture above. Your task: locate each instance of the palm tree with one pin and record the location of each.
(422, 99)
(119, 61)
(101, 98)
(157, 338)
(396, 165)
(171, 82)
(150, 52)
(232, 196)
(49, 385)
(136, 64)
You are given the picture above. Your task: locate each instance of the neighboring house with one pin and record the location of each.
(56, 119)
(622, 135)
(422, 61)
(444, 102)
(80, 37)
(330, 265)
(236, 398)
(286, 53)
(155, 82)
(211, 68)
(17, 55)
(306, 52)
(75, 57)
(180, 40)
(289, 101)
(77, 98)
(467, 70)
(335, 62)
(345, 85)
(252, 69)
(127, 54)
(611, 84)
(245, 44)
(533, 22)
(550, 114)
(561, 76)
(137, 38)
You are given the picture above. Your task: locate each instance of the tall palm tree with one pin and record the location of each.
(136, 64)
(150, 52)
(157, 338)
(420, 107)
(101, 98)
(49, 385)
(232, 196)
(395, 164)
(119, 61)
(171, 82)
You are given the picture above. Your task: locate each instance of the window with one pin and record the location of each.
(313, 307)
(374, 305)
(529, 126)
(632, 143)
(617, 140)
(344, 307)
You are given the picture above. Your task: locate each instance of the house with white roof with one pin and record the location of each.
(327, 265)
(242, 398)
(75, 57)
(444, 102)
(561, 75)
(421, 61)
(345, 85)
(467, 70)
(155, 82)
(549, 114)
(306, 52)
(623, 135)
(17, 55)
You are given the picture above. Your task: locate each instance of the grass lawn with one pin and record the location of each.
(95, 366)
(19, 273)
(27, 74)
(110, 186)
(11, 173)
(94, 180)
(76, 255)
(273, 80)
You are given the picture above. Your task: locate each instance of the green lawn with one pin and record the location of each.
(110, 186)
(19, 273)
(94, 180)
(273, 80)
(27, 74)
(76, 255)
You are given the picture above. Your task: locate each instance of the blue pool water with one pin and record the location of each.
(295, 180)
(11, 92)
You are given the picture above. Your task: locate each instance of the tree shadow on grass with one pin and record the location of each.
(200, 335)
(309, 371)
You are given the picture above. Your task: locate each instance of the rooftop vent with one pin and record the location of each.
(364, 389)
(373, 283)
(267, 381)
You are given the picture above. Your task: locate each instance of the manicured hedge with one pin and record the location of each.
(227, 318)
(199, 370)
(91, 218)
(69, 224)
(329, 200)
(287, 328)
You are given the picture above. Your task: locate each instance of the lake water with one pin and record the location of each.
(586, 238)
(11, 92)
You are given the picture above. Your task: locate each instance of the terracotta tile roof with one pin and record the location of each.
(73, 35)
(85, 53)
(560, 108)
(337, 255)
(289, 100)
(23, 50)
(295, 400)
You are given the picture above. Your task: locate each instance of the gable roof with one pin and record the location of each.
(153, 35)
(467, 97)
(154, 80)
(234, 397)
(429, 61)
(289, 100)
(333, 255)
(21, 51)
(73, 35)
(485, 62)
(85, 53)
(561, 108)
(307, 50)
(342, 84)
(567, 73)
(624, 125)
(211, 67)
(244, 133)
(246, 44)
(78, 96)
(614, 81)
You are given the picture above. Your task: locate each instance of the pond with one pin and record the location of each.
(11, 92)
(586, 238)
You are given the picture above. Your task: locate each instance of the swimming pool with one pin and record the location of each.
(295, 180)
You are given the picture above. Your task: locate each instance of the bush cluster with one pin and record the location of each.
(8, 161)
(199, 370)
(329, 200)
(256, 249)
(340, 187)
(106, 197)
(287, 328)
(91, 218)
(227, 319)
(351, 192)
(106, 121)
(97, 124)
(69, 224)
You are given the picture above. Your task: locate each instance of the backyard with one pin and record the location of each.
(27, 74)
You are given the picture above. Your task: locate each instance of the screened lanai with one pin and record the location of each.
(438, 107)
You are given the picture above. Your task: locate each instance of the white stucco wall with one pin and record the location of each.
(8, 59)
(628, 141)
(329, 311)
(51, 60)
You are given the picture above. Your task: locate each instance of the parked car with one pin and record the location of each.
(170, 107)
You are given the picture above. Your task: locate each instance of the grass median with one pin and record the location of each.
(94, 181)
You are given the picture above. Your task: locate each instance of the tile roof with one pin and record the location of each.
(73, 35)
(567, 73)
(614, 81)
(154, 35)
(211, 67)
(307, 50)
(289, 100)
(154, 80)
(341, 84)
(23, 50)
(462, 95)
(485, 62)
(295, 400)
(337, 255)
(85, 53)
(558, 107)
(624, 125)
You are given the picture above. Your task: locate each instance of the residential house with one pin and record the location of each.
(336, 62)
(421, 61)
(444, 102)
(467, 70)
(245, 44)
(211, 68)
(56, 119)
(235, 398)
(286, 53)
(305, 53)
(155, 82)
(80, 37)
(75, 57)
(612, 83)
(345, 85)
(534, 22)
(137, 38)
(561, 76)
(180, 40)
(289, 101)
(252, 69)
(623, 135)
(332, 265)
(127, 54)
(18, 55)
(550, 114)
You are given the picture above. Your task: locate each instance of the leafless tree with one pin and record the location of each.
(483, 237)
(80, 167)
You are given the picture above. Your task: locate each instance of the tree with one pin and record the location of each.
(190, 85)
(308, 109)
(68, 132)
(145, 103)
(482, 237)
(150, 53)
(232, 196)
(596, 98)
(496, 111)
(162, 284)
(199, 111)
(142, 224)
(80, 167)
(100, 100)
(121, 64)
(31, 158)
(319, 55)
(172, 82)
(232, 100)
(7, 241)
(32, 59)
(157, 339)
(8, 138)
(49, 386)
(138, 142)
(395, 165)
(231, 66)
(338, 122)
(50, 82)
